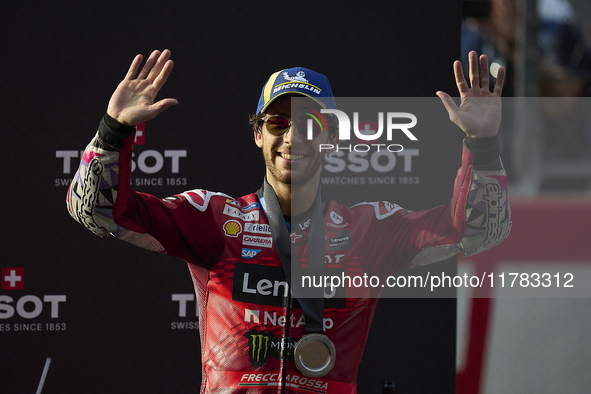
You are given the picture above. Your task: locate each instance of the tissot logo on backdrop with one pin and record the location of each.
(144, 164)
(188, 312)
(374, 166)
(28, 312)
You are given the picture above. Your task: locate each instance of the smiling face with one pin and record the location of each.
(291, 158)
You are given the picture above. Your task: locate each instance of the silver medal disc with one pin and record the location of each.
(315, 355)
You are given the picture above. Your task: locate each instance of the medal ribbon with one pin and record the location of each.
(313, 308)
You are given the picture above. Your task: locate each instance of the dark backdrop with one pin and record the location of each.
(122, 327)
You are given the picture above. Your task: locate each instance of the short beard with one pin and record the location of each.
(270, 165)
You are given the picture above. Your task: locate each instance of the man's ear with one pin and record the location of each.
(258, 136)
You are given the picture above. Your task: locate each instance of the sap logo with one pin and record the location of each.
(249, 253)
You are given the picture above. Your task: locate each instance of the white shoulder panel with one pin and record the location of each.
(382, 209)
(199, 198)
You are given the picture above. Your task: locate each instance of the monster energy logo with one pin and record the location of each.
(262, 345)
(259, 347)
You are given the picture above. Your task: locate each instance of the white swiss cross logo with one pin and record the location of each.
(13, 278)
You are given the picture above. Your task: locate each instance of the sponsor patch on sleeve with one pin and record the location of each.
(233, 211)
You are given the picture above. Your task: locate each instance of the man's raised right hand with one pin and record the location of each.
(133, 100)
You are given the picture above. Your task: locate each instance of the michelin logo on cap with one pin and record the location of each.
(298, 77)
(297, 80)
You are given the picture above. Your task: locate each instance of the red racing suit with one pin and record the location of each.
(248, 321)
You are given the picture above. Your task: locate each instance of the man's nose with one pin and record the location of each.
(293, 135)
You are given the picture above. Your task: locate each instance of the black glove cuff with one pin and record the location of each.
(113, 133)
(485, 150)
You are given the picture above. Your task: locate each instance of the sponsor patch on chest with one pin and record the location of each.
(237, 213)
(255, 240)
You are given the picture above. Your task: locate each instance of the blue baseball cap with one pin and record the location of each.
(297, 80)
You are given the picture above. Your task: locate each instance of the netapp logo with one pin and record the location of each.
(272, 319)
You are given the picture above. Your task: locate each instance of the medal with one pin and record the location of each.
(315, 355)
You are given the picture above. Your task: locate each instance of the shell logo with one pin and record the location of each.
(232, 228)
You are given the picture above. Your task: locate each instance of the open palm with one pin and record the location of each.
(133, 100)
(479, 113)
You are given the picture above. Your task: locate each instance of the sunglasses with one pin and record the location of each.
(278, 125)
